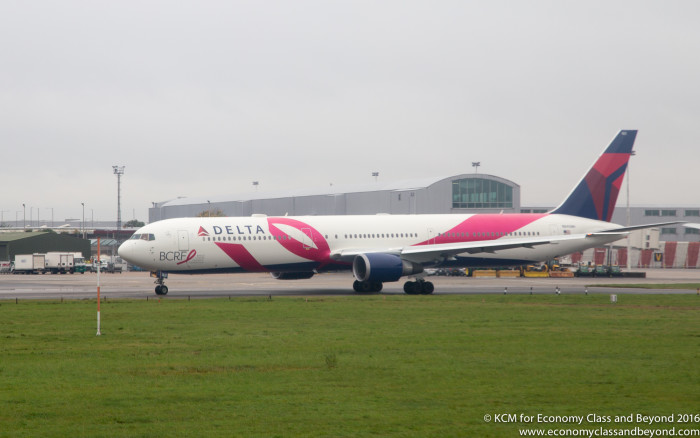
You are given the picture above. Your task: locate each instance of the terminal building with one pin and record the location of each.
(640, 215)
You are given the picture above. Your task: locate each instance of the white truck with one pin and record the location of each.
(30, 263)
(59, 262)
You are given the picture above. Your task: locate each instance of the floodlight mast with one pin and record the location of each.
(119, 171)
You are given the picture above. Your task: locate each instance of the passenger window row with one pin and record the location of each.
(491, 234)
(359, 236)
(239, 238)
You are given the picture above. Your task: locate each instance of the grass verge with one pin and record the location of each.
(342, 366)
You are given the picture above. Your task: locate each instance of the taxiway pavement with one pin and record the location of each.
(140, 285)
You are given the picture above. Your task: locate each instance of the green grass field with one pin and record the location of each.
(342, 366)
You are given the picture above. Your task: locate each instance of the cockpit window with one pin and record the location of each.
(143, 236)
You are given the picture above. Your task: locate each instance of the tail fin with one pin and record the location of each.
(595, 196)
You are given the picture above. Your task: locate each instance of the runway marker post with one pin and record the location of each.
(98, 287)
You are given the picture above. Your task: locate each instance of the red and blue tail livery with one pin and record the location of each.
(385, 248)
(595, 196)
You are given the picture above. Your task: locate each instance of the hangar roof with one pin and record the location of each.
(393, 186)
(13, 236)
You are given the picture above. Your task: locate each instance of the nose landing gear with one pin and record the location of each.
(161, 288)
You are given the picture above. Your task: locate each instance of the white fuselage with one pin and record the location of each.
(308, 243)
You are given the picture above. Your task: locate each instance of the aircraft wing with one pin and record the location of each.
(446, 250)
(348, 254)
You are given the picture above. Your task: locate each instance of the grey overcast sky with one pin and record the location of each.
(200, 98)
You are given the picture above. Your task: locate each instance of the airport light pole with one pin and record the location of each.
(629, 243)
(24, 216)
(119, 171)
(376, 176)
(83, 204)
(475, 165)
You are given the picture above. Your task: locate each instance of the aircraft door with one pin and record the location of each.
(183, 240)
(307, 238)
(431, 236)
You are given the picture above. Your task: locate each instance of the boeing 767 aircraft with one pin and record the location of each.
(384, 248)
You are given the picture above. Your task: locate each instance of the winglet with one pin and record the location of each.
(596, 194)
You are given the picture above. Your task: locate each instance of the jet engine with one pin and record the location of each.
(292, 275)
(383, 267)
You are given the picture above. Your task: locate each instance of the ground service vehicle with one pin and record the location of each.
(29, 263)
(60, 262)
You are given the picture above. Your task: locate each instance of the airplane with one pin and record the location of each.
(384, 248)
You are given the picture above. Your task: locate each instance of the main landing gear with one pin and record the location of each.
(418, 287)
(161, 288)
(367, 286)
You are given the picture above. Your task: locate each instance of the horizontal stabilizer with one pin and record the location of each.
(639, 227)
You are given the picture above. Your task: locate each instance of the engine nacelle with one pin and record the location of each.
(383, 267)
(292, 275)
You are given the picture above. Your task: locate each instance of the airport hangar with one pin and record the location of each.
(457, 194)
(14, 243)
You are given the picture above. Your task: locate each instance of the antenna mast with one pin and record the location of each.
(119, 171)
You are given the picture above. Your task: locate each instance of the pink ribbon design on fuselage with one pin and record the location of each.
(190, 256)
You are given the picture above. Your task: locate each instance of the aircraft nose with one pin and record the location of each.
(126, 250)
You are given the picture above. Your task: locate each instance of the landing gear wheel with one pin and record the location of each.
(419, 287)
(367, 286)
(411, 288)
(161, 288)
